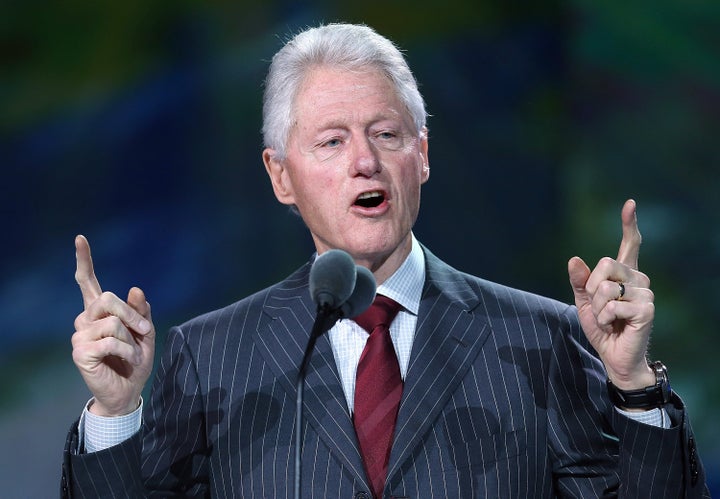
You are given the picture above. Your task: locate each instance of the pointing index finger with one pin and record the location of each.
(85, 274)
(630, 245)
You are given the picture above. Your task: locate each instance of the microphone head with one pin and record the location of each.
(363, 294)
(332, 278)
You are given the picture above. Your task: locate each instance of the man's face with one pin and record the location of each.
(354, 165)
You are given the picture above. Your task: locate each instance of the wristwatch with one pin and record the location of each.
(649, 397)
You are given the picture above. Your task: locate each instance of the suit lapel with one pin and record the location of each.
(326, 408)
(282, 340)
(448, 337)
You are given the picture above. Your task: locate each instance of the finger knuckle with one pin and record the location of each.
(604, 318)
(605, 263)
(82, 353)
(115, 324)
(611, 308)
(77, 355)
(80, 322)
(107, 297)
(608, 288)
(75, 339)
(649, 309)
(107, 345)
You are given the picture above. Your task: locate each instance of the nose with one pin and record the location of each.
(365, 158)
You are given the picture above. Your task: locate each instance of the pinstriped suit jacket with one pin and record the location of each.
(501, 399)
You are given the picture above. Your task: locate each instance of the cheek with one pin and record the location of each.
(326, 183)
(320, 191)
(413, 179)
(413, 188)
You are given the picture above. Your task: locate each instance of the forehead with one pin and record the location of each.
(333, 91)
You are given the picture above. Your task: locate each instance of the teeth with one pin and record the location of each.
(368, 195)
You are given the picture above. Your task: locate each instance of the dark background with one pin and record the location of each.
(138, 124)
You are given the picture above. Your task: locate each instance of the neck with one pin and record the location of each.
(383, 267)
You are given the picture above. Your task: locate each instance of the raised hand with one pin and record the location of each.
(114, 341)
(616, 309)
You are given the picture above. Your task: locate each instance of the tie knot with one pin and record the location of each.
(381, 313)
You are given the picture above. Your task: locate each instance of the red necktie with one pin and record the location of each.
(378, 388)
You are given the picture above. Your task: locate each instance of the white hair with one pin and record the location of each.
(348, 46)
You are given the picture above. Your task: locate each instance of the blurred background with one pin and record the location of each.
(138, 123)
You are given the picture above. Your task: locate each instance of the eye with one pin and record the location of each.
(327, 148)
(388, 139)
(331, 143)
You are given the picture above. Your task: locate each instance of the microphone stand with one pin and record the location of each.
(324, 320)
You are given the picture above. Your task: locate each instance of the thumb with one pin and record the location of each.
(579, 273)
(136, 299)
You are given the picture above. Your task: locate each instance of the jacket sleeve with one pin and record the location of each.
(113, 472)
(598, 452)
(660, 462)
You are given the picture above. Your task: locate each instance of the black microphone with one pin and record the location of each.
(363, 294)
(339, 288)
(332, 279)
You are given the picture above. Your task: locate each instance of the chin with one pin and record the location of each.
(373, 247)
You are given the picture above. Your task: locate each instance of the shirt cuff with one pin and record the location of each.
(654, 417)
(100, 432)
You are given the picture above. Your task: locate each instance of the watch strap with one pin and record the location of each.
(652, 396)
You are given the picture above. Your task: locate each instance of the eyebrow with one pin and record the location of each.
(341, 123)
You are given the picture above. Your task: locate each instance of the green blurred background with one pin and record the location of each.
(138, 124)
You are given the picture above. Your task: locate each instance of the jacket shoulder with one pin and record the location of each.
(476, 291)
(256, 303)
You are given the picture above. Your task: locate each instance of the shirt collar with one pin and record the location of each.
(406, 284)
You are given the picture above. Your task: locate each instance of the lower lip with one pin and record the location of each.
(375, 211)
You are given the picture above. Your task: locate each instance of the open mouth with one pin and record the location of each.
(371, 199)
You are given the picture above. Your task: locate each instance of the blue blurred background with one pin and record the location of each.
(138, 124)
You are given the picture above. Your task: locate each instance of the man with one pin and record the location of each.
(504, 393)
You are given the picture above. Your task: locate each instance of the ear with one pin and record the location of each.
(425, 174)
(276, 169)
